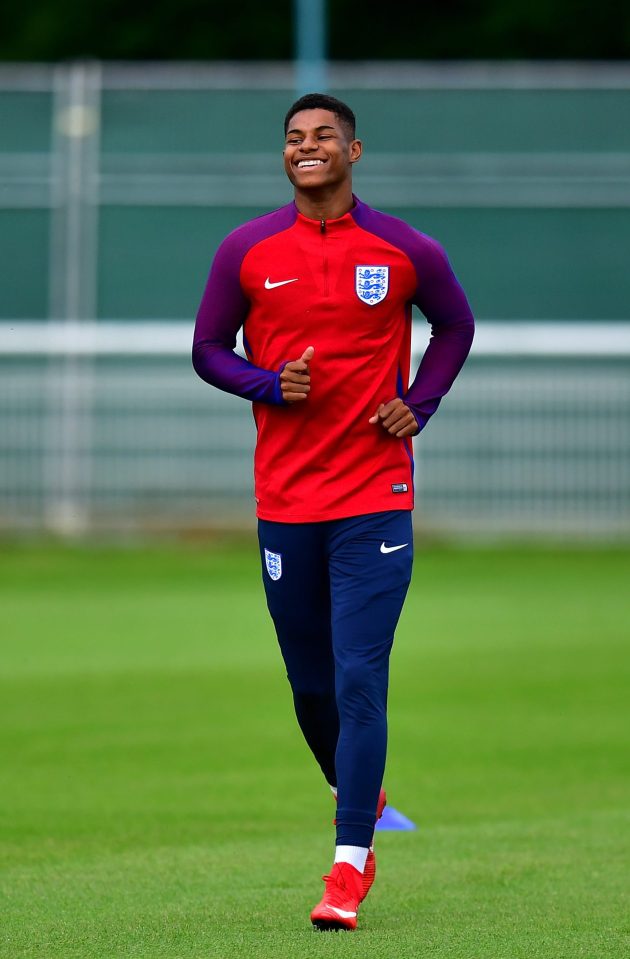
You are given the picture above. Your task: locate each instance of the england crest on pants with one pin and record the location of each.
(273, 562)
(371, 283)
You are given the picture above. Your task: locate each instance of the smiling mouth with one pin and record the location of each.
(309, 164)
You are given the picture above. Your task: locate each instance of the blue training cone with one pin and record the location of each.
(393, 820)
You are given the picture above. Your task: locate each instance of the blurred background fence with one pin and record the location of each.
(117, 183)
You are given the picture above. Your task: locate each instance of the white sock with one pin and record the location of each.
(333, 790)
(355, 855)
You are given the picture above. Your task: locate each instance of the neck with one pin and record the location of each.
(324, 205)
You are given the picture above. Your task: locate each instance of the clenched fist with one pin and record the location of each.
(295, 379)
(396, 418)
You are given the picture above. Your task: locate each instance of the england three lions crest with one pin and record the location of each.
(371, 283)
(273, 562)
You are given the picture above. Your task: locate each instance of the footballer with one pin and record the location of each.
(323, 289)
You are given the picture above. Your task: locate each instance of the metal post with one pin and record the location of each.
(72, 295)
(309, 23)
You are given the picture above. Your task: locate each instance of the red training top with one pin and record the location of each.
(346, 287)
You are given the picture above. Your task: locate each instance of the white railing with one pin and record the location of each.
(104, 426)
(146, 338)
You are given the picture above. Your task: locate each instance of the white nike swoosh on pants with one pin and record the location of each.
(392, 549)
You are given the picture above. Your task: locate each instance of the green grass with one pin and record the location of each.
(156, 799)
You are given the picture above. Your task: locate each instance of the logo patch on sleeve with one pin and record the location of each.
(399, 488)
(273, 562)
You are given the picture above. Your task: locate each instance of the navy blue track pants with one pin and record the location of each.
(335, 591)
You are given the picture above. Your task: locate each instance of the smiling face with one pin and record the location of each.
(319, 151)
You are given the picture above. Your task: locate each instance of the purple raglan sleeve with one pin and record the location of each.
(222, 312)
(444, 304)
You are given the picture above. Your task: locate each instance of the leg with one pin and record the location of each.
(368, 588)
(299, 603)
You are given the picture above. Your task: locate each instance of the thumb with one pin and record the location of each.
(375, 418)
(308, 354)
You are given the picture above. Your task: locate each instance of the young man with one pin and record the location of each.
(323, 289)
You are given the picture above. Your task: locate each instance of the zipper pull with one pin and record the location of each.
(322, 226)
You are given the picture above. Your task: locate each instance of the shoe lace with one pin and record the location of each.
(337, 891)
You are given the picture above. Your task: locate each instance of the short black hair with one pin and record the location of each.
(321, 101)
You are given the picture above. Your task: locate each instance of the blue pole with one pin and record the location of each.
(309, 29)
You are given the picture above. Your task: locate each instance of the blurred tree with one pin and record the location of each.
(251, 30)
(481, 29)
(166, 30)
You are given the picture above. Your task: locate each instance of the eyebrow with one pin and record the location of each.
(324, 126)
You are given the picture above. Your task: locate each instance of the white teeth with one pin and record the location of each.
(310, 163)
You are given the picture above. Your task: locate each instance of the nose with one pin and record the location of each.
(308, 144)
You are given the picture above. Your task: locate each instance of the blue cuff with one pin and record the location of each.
(278, 399)
(420, 420)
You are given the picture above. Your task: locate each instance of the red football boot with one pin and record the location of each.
(340, 905)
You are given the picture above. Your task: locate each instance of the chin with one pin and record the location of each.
(310, 182)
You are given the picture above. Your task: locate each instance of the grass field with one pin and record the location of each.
(156, 799)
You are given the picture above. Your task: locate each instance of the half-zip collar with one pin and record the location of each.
(336, 225)
(318, 236)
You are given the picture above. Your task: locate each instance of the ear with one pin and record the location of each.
(356, 149)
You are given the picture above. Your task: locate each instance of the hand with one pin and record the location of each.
(396, 418)
(295, 379)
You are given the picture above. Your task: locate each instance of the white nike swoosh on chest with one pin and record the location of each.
(343, 913)
(271, 286)
(392, 549)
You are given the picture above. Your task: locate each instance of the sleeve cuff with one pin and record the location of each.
(278, 399)
(418, 417)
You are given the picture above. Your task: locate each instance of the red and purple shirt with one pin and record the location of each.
(346, 287)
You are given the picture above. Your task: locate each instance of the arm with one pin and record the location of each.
(222, 312)
(444, 303)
